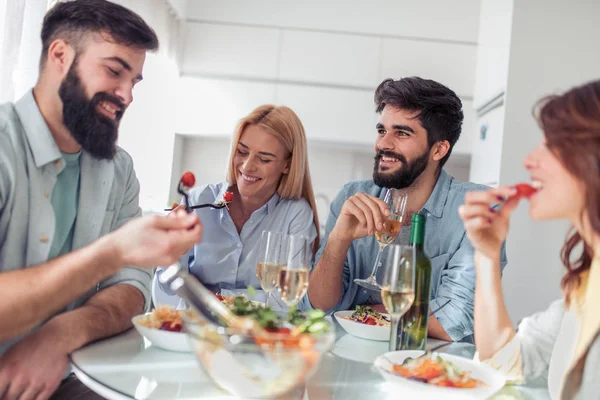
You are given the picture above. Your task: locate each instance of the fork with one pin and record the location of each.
(215, 206)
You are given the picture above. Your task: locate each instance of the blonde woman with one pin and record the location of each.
(270, 179)
(562, 342)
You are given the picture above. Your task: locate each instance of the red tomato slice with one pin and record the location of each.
(370, 321)
(171, 327)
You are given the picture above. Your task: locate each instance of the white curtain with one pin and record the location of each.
(20, 45)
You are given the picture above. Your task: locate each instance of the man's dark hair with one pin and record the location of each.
(439, 108)
(73, 20)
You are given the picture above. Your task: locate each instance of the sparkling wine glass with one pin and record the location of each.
(293, 277)
(272, 257)
(396, 201)
(398, 286)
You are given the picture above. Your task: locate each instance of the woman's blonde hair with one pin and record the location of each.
(284, 124)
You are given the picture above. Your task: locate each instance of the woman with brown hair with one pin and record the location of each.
(272, 191)
(564, 340)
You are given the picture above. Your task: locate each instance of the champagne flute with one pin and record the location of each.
(398, 286)
(271, 257)
(396, 201)
(293, 277)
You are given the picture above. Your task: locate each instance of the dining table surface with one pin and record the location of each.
(127, 366)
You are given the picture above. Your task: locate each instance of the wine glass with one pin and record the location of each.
(271, 258)
(396, 201)
(293, 277)
(398, 286)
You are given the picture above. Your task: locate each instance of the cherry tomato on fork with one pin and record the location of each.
(228, 196)
(188, 179)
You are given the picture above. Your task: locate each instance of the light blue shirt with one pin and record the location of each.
(446, 244)
(30, 163)
(226, 261)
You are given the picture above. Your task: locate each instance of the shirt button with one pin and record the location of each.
(47, 194)
(43, 238)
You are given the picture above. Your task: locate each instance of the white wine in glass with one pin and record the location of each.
(397, 302)
(396, 201)
(398, 286)
(271, 257)
(293, 284)
(268, 275)
(391, 229)
(293, 277)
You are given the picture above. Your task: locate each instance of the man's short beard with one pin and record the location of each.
(405, 176)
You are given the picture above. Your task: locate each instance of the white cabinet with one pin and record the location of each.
(487, 144)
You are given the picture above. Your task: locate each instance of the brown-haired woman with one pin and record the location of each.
(564, 340)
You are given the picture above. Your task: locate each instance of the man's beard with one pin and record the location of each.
(403, 177)
(95, 133)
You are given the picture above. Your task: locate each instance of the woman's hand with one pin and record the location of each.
(487, 227)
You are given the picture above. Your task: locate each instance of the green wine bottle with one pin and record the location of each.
(413, 325)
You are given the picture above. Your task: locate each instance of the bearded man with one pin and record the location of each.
(419, 125)
(71, 245)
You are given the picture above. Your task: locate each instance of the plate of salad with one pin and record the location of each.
(365, 323)
(439, 375)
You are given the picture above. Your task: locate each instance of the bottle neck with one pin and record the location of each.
(417, 234)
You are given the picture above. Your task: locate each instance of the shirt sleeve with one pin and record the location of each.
(139, 278)
(457, 284)
(527, 355)
(334, 211)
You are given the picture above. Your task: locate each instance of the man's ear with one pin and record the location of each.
(440, 150)
(60, 56)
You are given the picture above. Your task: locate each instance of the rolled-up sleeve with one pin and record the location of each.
(457, 284)
(140, 278)
(334, 211)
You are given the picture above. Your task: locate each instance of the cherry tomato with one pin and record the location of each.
(525, 190)
(228, 196)
(188, 179)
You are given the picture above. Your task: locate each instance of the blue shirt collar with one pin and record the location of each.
(436, 202)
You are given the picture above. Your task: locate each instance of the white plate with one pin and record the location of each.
(364, 331)
(172, 341)
(494, 380)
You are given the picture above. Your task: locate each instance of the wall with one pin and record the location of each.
(147, 129)
(235, 56)
(549, 53)
(208, 158)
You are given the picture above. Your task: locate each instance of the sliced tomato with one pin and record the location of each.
(170, 326)
(188, 179)
(525, 190)
(221, 298)
(444, 383)
(429, 369)
(370, 321)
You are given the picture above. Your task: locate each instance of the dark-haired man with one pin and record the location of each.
(420, 123)
(67, 193)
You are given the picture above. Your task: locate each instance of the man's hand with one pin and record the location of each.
(361, 215)
(156, 240)
(33, 368)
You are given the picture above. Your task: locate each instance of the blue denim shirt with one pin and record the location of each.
(446, 245)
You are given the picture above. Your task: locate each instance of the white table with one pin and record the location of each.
(128, 367)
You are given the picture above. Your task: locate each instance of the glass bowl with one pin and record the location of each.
(253, 367)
